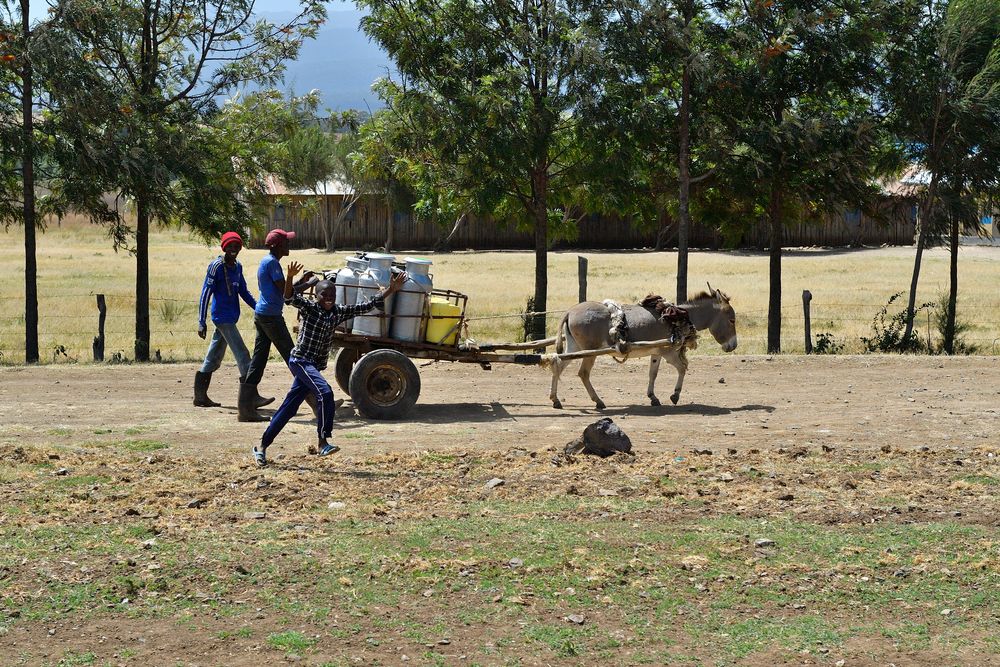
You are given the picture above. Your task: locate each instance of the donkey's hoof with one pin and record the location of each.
(600, 405)
(674, 398)
(653, 400)
(557, 404)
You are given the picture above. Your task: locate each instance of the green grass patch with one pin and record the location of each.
(61, 430)
(982, 480)
(80, 480)
(564, 641)
(290, 641)
(141, 445)
(242, 633)
(71, 659)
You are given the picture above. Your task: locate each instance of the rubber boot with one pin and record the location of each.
(201, 382)
(258, 400)
(246, 404)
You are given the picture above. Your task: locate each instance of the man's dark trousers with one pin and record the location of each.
(270, 329)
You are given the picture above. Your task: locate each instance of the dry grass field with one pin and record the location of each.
(848, 287)
(791, 510)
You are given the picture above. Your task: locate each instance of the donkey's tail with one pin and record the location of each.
(561, 334)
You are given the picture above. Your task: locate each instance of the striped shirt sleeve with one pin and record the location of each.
(206, 293)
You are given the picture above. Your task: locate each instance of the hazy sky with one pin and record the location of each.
(40, 7)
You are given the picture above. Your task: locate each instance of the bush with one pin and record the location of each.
(887, 332)
(827, 344)
(940, 319)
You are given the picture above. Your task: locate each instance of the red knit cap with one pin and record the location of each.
(229, 237)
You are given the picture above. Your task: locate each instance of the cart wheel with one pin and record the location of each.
(346, 358)
(384, 385)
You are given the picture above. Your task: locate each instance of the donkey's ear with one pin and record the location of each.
(712, 291)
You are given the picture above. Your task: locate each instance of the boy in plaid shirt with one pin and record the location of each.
(310, 354)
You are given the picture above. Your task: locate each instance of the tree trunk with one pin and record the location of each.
(389, 232)
(664, 223)
(443, 243)
(684, 169)
(28, 184)
(540, 186)
(774, 293)
(922, 224)
(949, 327)
(142, 279)
(328, 223)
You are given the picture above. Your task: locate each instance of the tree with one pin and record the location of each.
(317, 150)
(156, 69)
(809, 141)
(654, 107)
(944, 90)
(18, 152)
(494, 84)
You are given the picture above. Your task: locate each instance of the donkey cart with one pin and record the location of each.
(378, 373)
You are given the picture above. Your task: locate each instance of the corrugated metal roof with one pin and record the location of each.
(274, 186)
(909, 183)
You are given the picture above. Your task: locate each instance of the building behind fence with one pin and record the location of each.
(367, 226)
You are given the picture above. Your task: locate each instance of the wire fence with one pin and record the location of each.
(68, 324)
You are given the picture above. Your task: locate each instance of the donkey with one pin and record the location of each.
(587, 326)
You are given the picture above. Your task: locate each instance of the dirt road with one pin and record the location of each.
(731, 401)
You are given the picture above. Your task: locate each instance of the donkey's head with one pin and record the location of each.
(713, 311)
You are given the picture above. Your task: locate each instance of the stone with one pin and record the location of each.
(494, 483)
(195, 503)
(577, 619)
(336, 505)
(254, 515)
(763, 543)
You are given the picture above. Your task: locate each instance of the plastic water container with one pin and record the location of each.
(372, 281)
(442, 328)
(347, 284)
(410, 302)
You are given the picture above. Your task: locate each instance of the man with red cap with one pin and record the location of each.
(269, 322)
(224, 286)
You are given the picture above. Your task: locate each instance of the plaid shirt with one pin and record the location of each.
(316, 328)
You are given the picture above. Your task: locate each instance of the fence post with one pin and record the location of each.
(102, 310)
(806, 298)
(581, 265)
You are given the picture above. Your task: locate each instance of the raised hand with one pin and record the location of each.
(396, 283)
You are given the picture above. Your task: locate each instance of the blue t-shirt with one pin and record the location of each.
(271, 297)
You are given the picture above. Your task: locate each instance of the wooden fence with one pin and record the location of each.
(367, 227)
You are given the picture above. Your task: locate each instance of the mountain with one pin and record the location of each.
(341, 62)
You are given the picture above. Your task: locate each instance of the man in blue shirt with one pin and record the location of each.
(224, 286)
(269, 322)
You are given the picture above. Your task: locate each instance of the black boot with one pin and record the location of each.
(201, 399)
(246, 404)
(258, 400)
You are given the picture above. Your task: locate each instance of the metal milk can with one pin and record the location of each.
(370, 283)
(347, 285)
(411, 302)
